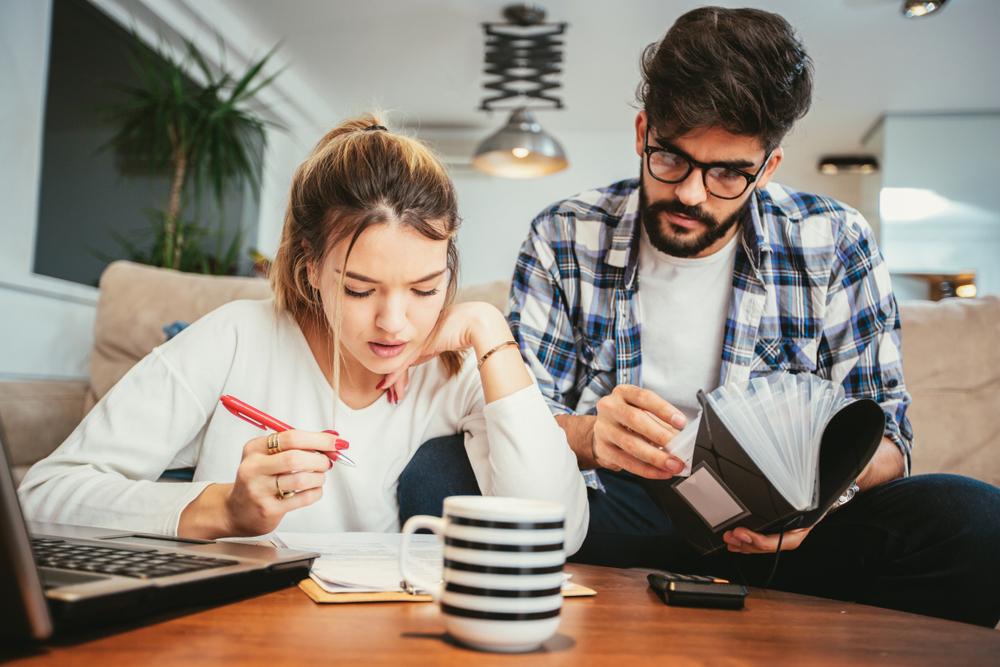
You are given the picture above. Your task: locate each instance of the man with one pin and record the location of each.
(629, 299)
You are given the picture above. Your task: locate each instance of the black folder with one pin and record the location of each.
(726, 489)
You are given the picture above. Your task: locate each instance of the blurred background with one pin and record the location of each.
(905, 127)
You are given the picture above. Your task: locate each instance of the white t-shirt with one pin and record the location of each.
(682, 307)
(165, 413)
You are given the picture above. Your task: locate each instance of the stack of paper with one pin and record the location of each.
(365, 562)
(779, 421)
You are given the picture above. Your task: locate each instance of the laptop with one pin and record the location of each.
(58, 577)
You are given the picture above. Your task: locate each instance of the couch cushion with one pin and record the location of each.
(38, 416)
(951, 364)
(137, 301)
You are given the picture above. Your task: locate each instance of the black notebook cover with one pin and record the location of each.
(726, 489)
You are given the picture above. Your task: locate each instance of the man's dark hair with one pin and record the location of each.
(743, 70)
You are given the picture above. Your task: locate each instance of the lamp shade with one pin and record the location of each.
(520, 149)
(915, 9)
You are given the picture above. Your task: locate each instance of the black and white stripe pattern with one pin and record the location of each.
(495, 571)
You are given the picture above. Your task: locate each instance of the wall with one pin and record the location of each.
(48, 322)
(940, 201)
(871, 185)
(43, 317)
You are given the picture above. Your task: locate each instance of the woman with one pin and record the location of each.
(363, 283)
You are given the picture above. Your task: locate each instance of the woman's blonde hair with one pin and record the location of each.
(357, 176)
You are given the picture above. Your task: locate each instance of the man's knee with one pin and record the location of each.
(947, 506)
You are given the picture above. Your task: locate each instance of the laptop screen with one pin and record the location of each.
(24, 613)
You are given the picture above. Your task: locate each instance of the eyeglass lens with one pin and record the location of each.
(720, 181)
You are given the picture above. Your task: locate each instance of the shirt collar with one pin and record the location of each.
(770, 204)
(620, 254)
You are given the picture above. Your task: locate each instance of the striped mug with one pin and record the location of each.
(503, 561)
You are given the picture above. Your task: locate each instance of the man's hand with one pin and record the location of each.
(886, 465)
(743, 541)
(630, 430)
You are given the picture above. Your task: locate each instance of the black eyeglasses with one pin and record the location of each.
(719, 180)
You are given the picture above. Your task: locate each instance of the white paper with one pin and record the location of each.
(706, 496)
(365, 562)
(779, 422)
(682, 444)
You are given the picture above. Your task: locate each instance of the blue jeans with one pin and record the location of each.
(439, 469)
(928, 544)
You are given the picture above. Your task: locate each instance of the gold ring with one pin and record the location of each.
(282, 494)
(272, 444)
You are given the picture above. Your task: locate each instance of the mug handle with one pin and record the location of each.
(414, 523)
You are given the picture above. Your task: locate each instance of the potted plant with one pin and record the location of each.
(205, 135)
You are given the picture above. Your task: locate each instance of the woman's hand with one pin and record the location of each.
(472, 324)
(251, 505)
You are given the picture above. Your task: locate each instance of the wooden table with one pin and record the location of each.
(625, 624)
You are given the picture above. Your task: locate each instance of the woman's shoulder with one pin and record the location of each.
(232, 325)
(237, 316)
(435, 379)
(242, 311)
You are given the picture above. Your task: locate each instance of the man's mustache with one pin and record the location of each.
(679, 208)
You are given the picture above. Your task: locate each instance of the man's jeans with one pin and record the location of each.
(929, 544)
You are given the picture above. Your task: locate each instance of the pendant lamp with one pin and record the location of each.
(520, 149)
(524, 56)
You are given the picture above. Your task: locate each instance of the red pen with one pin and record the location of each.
(264, 421)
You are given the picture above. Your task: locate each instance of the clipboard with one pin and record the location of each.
(320, 596)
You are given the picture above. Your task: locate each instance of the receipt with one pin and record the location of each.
(682, 444)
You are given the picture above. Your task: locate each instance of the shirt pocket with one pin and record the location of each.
(791, 354)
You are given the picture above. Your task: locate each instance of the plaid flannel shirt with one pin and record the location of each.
(811, 293)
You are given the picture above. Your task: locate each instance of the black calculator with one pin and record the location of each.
(690, 590)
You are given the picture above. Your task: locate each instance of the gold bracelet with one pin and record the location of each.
(496, 349)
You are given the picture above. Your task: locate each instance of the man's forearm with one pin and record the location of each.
(887, 464)
(580, 434)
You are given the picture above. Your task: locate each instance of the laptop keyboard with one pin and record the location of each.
(147, 564)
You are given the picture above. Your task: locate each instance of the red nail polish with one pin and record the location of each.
(341, 444)
(380, 384)
(331, 432)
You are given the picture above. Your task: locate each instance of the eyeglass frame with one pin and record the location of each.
(705, 167)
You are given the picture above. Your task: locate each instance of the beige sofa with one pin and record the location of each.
(951, 362)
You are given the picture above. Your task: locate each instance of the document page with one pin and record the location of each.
(365, 562)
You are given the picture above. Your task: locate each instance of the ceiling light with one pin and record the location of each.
(523, 56)
(965, 291)
(520, 149)
(913, 9)
(835, 165)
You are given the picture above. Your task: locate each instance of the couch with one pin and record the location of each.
(951, 363)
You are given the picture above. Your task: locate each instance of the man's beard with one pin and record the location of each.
(684, 242)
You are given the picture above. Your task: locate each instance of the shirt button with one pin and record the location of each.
(893, 383)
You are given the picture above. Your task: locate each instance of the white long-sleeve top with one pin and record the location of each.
(165, 413)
